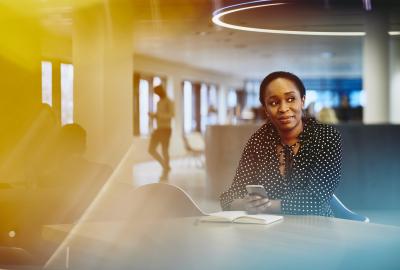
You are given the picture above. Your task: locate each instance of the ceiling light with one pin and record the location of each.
(237, 8)
(367, 5)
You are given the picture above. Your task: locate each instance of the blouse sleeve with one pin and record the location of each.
(245, 174)
(324, 175)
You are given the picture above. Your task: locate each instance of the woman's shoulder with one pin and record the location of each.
(262, 136)
(323, 131)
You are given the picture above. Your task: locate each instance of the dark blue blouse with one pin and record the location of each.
(315, 174)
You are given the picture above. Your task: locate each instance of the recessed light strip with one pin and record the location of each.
(218, 14)
(239, 5)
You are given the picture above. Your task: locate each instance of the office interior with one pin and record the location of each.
(87, 69)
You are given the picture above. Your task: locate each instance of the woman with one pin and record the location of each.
(296, 159)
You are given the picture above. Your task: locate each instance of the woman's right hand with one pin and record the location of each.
(256, 204)
(252, 203)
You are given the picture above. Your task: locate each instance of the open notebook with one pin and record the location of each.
(240, 217)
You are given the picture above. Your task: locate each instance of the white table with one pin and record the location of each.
(294, 243)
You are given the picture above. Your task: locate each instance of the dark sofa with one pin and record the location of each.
(371, 162)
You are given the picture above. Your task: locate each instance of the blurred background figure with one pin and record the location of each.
(74, 179)
(162, 134)
(69, 167)
(344, 111)
(327, 116)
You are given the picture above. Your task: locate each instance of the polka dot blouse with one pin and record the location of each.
(315, 172)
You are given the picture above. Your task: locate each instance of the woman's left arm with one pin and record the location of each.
(323, 175)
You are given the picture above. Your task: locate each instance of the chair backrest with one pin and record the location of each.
(341, 211)
(159, 200)
(194, 142)
(15, 256)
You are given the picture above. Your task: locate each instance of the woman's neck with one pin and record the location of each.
(290, 137)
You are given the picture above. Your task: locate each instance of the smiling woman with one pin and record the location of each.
(296, 159)
(283, 96)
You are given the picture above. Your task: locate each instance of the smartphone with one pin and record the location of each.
(257, 190)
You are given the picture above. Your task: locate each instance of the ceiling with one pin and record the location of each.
(182, 31)
(188, 35)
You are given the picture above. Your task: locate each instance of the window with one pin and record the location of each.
(203, 107)
(357, 98)
(67, 94)
(200, 102)
(232, 106)
(252, 93)
(194, 110)
(187, 107)
(57, 89)
(231, 99)
(328, 91)
(144, 107)
(321, 99)
(212, 110)
(47, 90)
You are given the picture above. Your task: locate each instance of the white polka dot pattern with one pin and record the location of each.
(315, 175)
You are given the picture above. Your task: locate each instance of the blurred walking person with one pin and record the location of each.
(162, 134)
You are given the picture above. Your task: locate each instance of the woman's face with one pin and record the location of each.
(283, 104)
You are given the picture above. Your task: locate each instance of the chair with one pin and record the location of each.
(341, 211)
(194, 146)
(159, 201)
(15, 256)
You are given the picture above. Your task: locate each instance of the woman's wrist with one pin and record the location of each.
(238, 205)
(276, 207)
(241, 205)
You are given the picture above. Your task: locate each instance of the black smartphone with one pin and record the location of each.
(257, 190)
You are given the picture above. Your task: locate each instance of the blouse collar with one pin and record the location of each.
(308, 123)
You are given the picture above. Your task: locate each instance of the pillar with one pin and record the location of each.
(395, 80)
(103, 68)
(376, 68)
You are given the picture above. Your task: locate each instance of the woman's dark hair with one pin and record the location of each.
(281, 74)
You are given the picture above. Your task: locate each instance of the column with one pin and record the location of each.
(395, 80)
(20, 84)
(102, 58)
(376, 68)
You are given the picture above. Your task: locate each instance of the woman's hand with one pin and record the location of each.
(256, 204)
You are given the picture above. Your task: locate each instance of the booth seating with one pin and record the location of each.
(371, 162)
